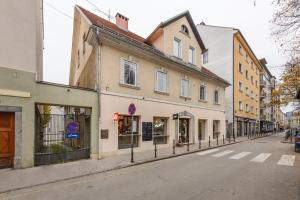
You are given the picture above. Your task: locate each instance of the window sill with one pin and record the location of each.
(202, 100)
(130, 86)
(178, 58)
(240, 90)
(162, 93)
(217, 104)
(185, 98)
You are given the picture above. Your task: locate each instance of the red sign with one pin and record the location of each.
(116, 116)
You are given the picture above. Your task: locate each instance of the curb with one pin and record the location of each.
(126, 166)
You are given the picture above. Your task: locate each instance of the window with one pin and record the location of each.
(247, 58)
(184, 29)
(256, 83)
(252, 66)
(201, 129)
(191, 55)
(252, 80)
(129, 73)
(83, 44)
(177, 47)
(240, 105)
(247, 74)
(256, 111)
(252, 94)
(216, 129)
(205, 57)
(184, 92)
(202, 92)
(125, 126)
(246, 108)
(247, 91)
(240, 49)
(160, 130)
(252, 110)
(240, 68)
(240, 86)
(216, 97)
(161, 81)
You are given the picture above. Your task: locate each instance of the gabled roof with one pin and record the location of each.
(175, 18)
(100, 22)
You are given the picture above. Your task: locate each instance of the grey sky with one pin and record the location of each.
(144, 16)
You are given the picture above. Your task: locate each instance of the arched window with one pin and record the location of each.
(184, 29)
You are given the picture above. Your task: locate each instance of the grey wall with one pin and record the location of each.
(16, 80)
(219, 42)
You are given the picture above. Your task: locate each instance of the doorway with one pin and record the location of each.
(7, 141)
(184, 130)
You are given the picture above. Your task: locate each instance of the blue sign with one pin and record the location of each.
(72, 130)
(131, 109)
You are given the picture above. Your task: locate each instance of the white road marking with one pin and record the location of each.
(223, 153)
(287, 160)
(239, 155)
(207, 152)
(261, 157)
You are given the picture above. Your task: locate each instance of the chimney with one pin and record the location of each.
(122, 21)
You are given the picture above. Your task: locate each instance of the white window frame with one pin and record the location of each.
(202, 86)
(182, 88)
(205, 55)
(240, 105)
(247, 91)
(216, 102)
(179, 47)
(122, 74)
(192, 53)
(240, 86)
(163, 71)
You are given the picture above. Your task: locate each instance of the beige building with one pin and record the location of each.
(176, 98)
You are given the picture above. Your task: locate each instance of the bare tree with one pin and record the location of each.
(286, 26)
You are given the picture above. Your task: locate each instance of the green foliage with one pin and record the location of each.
(47, 115)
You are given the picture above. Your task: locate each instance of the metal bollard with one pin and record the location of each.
(229, 138)
(132, 153)
(188, 145)
(200, 144)
(174, 146)
(155, 149)
(233, 137)
(217, 139)
(208, 141)
(223, 139)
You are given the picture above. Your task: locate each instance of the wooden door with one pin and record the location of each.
(7, 132)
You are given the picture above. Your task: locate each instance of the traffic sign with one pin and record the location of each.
(131, 109)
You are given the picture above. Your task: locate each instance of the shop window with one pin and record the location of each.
(201, 129)
(160, 130)
(125, 126)
(216, 129)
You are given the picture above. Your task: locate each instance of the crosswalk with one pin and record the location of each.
(284, 160)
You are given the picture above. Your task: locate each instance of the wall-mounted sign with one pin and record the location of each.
(72, 129)
(116, 117)
(147, 131)
(104, 133)
(131, 109)
(175, 116)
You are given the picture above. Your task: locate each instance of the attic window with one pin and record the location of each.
(184, 29)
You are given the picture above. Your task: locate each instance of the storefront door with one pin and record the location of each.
(7, 129)
(183, 130)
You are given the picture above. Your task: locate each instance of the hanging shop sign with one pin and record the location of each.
(116, 117)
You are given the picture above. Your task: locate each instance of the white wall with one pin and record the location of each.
(219, 42)
(21, 34)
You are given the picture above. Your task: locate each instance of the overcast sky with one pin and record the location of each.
(144, 16)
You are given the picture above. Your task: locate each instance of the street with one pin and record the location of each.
(262, 169)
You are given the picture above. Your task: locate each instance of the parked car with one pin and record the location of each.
(297, 139)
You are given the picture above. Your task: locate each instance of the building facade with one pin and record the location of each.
(267, 110)
(176, 99)
(230, 56)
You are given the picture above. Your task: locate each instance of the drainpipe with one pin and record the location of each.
(98, 68)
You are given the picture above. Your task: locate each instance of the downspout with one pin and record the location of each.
(98, 70)
(233, 80)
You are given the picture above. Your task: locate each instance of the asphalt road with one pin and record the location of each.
(261, 169)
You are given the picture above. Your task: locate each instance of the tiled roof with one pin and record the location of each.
(99, 21)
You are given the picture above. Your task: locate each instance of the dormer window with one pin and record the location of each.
(184, 29)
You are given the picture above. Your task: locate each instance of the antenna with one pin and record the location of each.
(98, 9)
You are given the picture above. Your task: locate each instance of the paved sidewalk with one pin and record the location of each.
(11, 179)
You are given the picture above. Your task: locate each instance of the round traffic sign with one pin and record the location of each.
(131, 109)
